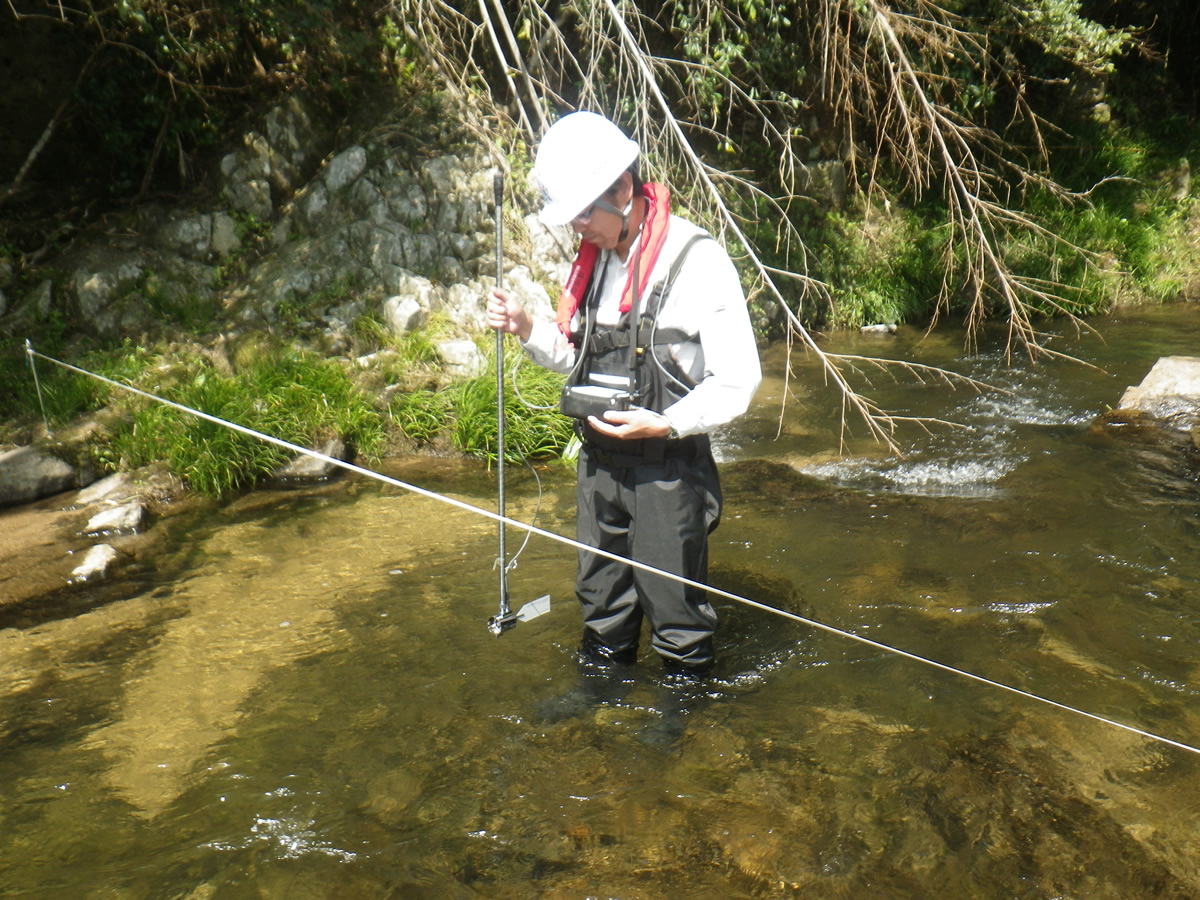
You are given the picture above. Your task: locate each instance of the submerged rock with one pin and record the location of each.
(96, 563)
(762, 477)
(114, 488)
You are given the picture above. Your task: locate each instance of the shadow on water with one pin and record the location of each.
(311, 704)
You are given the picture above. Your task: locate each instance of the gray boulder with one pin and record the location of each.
(402, 314)
(530, 292)
(41, 298)
(462, 357)
(272, 164)
(344, 168)
(30, 473)
(307, 469)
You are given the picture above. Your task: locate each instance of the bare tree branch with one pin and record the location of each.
(888, 74)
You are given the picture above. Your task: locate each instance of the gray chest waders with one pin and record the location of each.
(653, 500)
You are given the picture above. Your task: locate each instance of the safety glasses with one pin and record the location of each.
(584, 217)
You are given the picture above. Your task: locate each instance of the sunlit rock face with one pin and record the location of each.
(1170, 393)
(330, 232)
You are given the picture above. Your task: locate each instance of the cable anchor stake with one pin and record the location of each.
(38, 385)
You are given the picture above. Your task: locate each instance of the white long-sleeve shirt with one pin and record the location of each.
(706, 300)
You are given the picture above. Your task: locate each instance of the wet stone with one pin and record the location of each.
(106, 489)
(123, 519)
(28, 473)
(1170, 392)
(96, 563)
(306, 468)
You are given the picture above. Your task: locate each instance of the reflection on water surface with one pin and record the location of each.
(315, 707)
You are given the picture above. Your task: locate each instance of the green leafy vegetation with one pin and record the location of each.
(465, 414)
(65, 395)
(283, 393)
(422, 415)
(158, 82)
(1134, 224)
(194, 309)
(529, 433)
(297, 397)
(411, 360)
(1060, 27)
(879, 269)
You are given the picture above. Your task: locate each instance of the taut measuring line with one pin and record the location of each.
(533, 529)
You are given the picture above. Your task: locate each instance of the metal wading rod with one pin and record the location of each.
(497, 623)
(505, 618)
(570, 542)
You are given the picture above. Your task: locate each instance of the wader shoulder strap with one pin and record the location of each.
(663, 289)
(625, 333)
(591, 300)
(648, 316)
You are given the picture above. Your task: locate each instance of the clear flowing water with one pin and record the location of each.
(310, 705)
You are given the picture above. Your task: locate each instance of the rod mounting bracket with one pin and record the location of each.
(499, 624)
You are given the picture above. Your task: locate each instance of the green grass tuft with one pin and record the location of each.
(465, 414)
(292, 396)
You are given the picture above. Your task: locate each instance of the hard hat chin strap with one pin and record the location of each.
(625, 214)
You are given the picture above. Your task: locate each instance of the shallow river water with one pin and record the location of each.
(303, 699)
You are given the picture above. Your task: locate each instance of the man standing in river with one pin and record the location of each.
(654, 335)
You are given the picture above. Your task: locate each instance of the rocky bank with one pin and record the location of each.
(295, 238)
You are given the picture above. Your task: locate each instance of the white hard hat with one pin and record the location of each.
(578, 160)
